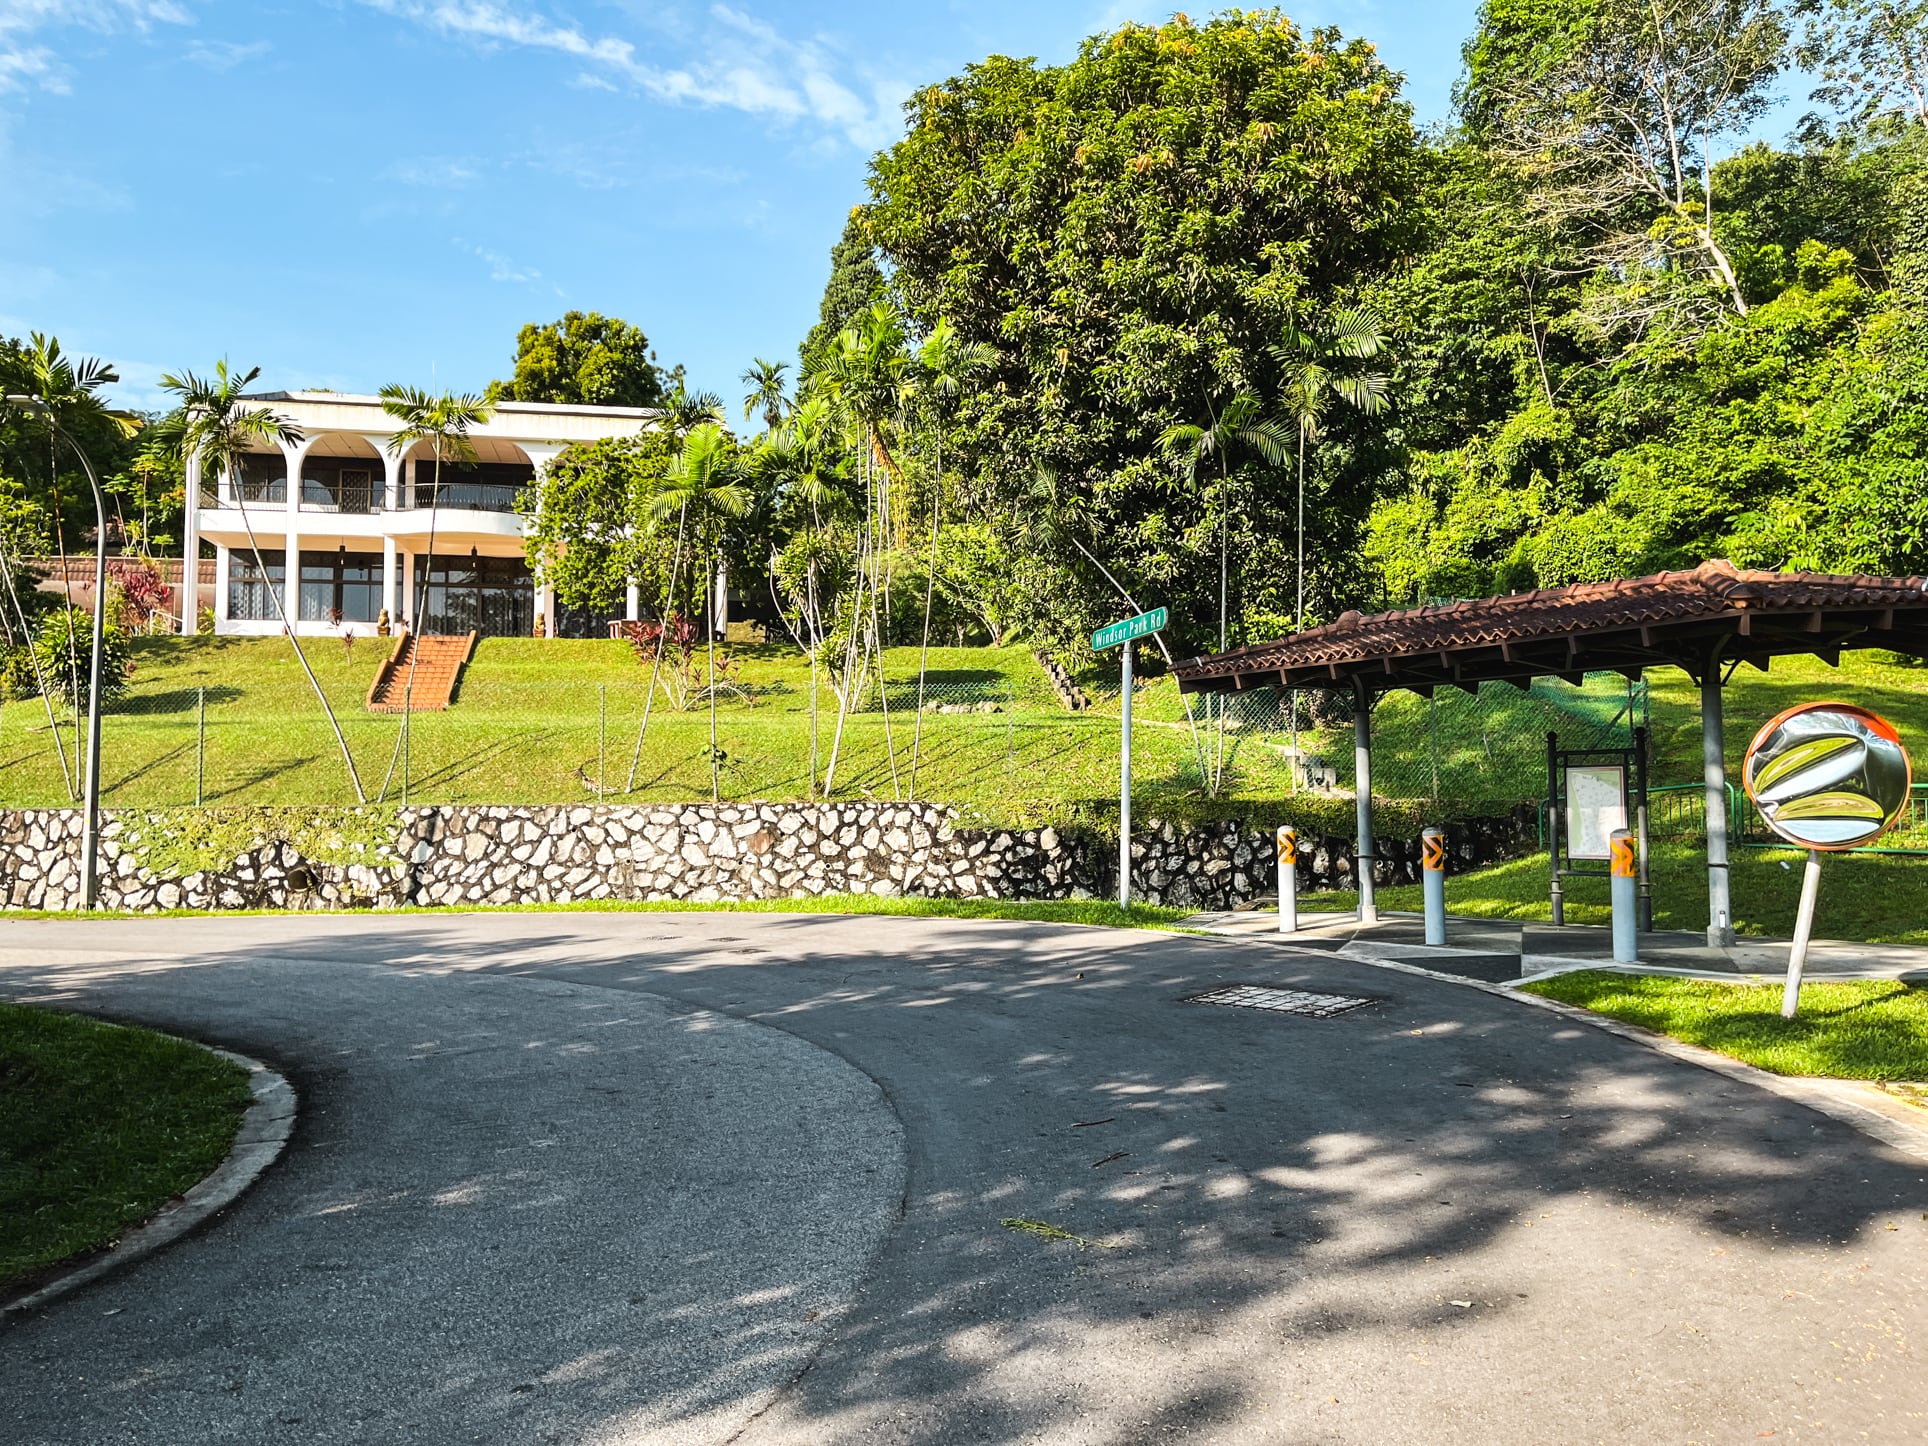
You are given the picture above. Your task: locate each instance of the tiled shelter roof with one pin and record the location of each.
(1715, 614)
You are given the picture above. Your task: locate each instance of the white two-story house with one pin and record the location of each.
(352, 538)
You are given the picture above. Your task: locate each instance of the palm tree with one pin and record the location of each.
(683, 410)
(443, 422)
(1313, 374)
(864, 373)
(704, 483)
(944, 363)
(1243, 424)
(766, 394)
(216, 422)
(70, 392)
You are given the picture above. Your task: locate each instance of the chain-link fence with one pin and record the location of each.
(225, 722)
(1487, 744)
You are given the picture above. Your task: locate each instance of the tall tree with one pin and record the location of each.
(70, 391)
(767, 393)
(1313, 374)
(217, 422)
(1130, 231)
(585, 359)
(1872, 56)
(1618, 128)
(856, 282)
(444, 422)
(705, 484)
(944, 365)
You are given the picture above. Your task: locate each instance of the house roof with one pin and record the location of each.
(1714, 614)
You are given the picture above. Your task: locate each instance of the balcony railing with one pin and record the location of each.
(364, 498)
(468, 496)
(351, 498)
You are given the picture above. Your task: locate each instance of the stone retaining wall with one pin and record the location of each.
(503, 855)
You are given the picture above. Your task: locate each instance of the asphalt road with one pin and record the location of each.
(634, 1177)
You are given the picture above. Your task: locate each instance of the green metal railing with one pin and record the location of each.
(1678, 810)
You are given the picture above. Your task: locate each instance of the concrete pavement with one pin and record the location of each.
(621, 1177)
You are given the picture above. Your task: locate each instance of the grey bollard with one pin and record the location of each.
(1624, 890)
(1432, 876)
(1288, 879)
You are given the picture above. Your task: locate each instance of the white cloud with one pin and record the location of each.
(23, 63)
(501, 268)
(220, 55)
(765, 73)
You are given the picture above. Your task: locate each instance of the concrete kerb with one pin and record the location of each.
(1857, 1104)
(266, 1126)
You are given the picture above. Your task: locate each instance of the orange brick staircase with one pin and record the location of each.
(437, 664)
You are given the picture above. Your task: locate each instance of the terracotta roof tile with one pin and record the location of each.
(1665, 604)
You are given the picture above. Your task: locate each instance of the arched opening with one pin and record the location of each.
(491, 483)
(342, 473)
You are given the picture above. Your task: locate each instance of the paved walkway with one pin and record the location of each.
(665, 1178)
(1498, 950)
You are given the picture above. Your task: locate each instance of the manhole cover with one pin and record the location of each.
(1280, 1001)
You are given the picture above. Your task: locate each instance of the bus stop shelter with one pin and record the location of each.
(1706, 622)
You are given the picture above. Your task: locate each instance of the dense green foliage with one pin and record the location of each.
(855, 282)
(585, 359)
(1607, 356)
(1133, 233)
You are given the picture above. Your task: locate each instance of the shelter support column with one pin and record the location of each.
(1366, 852)
(1720, 912)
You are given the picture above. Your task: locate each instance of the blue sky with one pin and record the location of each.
(353, 192)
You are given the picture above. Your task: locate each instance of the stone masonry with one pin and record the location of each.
(517, 855)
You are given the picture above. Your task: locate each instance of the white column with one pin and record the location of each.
(190, 598)
(540, 455)
(221, 563)
(391, 474)
(291, 550)
(389, 599)
(408, 589)
(633, 601)
(1720, 916)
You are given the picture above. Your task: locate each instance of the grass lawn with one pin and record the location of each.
(100, 1125)
(1865, 1029)
(1879, 898)
(543, 721)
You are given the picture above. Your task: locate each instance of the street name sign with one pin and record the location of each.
(1142, 626)
(1126, 632)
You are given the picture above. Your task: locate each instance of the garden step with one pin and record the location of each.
(423, 669)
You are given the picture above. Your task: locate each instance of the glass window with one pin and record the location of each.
(493, 596)
(341, 587)
(250, 598)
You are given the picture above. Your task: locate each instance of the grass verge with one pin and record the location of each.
(1098, 913)
(1874, 898)
(1861, 1029)
(100, 1125)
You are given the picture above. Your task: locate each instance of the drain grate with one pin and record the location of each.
(1280, 1001)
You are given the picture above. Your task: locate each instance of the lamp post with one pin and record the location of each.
(90, 788)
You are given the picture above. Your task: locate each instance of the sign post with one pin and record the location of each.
(1110, 636)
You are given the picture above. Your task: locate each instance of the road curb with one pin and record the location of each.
(1855, 1103)
(265, 1128)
